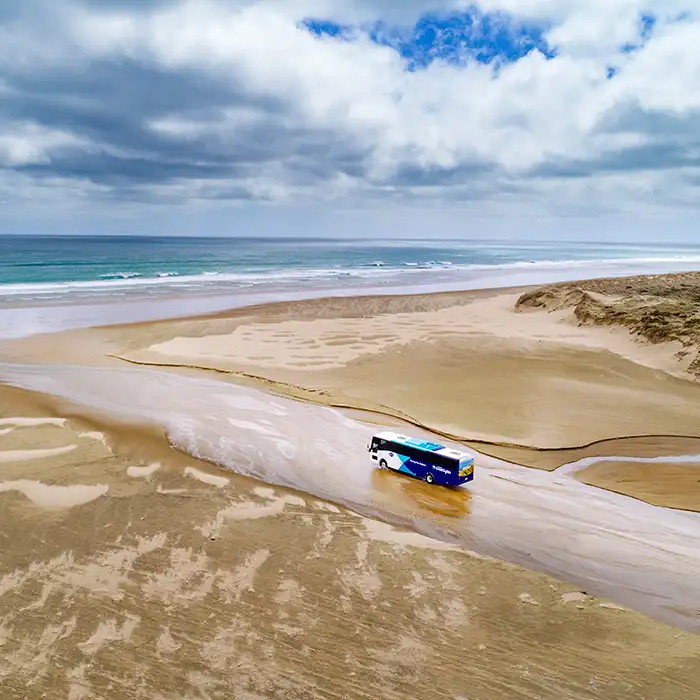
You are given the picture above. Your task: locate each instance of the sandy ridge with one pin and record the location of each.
(292, 391)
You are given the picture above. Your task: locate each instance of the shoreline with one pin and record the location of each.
(78, 311)
(147, 344)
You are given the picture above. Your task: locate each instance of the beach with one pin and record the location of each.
(202, 515)
(349, 350)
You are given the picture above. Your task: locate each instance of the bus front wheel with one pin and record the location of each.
(383, 464)
(430, 478)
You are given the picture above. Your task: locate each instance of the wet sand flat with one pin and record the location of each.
(474, 370)
(596, 539)
(466, 366)
(673, 485)
(180, 580)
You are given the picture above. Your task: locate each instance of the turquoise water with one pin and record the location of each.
(53, 283)
(42, 263)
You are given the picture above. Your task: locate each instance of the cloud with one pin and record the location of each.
(495, 108)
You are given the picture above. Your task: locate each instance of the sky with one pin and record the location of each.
(412, 118)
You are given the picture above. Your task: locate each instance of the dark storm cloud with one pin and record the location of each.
(666, 142)
(113, 104)
(415, 176)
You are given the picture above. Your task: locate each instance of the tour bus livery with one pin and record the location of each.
(422, 459)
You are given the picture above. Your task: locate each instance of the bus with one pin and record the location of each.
(421, 459)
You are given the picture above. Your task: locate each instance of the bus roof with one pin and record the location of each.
(426, 445)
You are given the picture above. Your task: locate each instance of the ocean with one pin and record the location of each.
(130, 278)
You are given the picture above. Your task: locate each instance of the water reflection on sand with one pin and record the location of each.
(414, 498)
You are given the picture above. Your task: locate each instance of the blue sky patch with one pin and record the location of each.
(646, 26)
(455, 38)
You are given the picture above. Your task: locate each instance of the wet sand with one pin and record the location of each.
(180, 580)
(597, 539)
(531, 387)
(672, 484)
(477, 369)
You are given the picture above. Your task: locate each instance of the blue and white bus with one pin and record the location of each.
(422, 459)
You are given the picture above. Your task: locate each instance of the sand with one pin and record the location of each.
(673, 485)
(51, 496)
(330, 343)
(27, 455)
(465, 366)
(181, 585)
(143, 472)
(206, 478)
(132, 570)
(478, 371)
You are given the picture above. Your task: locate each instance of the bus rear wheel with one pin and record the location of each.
(430, 478)
(383, 464)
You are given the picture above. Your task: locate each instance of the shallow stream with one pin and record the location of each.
(636, 554)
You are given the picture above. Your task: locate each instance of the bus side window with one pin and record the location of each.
(445, 462)
(411, 453)
(392, 447)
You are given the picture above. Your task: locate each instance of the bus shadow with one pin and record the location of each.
(419, 498)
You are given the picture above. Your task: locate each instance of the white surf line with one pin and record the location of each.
(28, 455)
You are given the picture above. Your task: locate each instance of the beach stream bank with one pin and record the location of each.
(637, 554)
